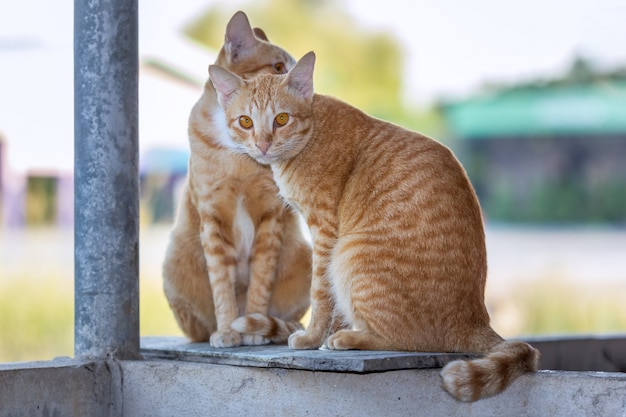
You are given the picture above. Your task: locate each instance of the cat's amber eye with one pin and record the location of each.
(245, 122)
(282, 119)
(280, 68)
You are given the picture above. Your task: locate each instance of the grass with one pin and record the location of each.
(36, 320)
(36, 317)
(554, 307)
(155, 316)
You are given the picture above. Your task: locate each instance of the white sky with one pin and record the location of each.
(451, 47)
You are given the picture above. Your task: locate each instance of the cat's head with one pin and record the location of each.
(268, 117)
(248, 52)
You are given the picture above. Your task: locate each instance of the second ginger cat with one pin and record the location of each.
(236, 248)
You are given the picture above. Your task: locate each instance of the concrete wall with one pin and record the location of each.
(59, 388)
(168, 388)
(154, 388)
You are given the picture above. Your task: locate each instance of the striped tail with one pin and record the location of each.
(269, 327)
(474, 379)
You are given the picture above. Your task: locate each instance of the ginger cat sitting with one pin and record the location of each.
(236, 248)
(399, 252)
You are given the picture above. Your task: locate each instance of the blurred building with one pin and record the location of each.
(554, 152)
(36, 158)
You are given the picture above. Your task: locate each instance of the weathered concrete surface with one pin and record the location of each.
(156, 388)
(582, 353)
(59, 388)
(106, 179)
(274, 356)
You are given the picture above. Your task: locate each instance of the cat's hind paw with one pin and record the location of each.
(301, 340)
(224, 339)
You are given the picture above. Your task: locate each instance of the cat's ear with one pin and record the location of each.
(225, 82)
(239, 36)
(259, 33)
(300, 78)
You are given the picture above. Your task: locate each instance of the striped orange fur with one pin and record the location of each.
(236, 248)
(398, 242)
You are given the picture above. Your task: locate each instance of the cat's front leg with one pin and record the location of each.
(221, 259)
(322, 305)
(263, 269)
(321, 317)
(264, 263)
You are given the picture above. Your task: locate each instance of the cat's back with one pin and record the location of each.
(380, 167)
(409, 175)
(349, 128)
(384, 157)
(401, 185)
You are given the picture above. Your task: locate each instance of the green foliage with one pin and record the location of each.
(557, 202)
(356, 65)
(41, 196)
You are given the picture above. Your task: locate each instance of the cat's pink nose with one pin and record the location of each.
(263, 146)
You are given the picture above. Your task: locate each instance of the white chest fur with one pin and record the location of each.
(244, 238)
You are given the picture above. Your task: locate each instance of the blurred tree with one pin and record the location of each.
(359, 66)
(582, 71)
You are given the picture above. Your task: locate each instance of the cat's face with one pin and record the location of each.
(269, 116)
(248, 52)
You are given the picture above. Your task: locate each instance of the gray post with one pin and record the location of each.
(106, 201)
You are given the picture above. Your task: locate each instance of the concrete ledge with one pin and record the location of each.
(582, 353)
(194, 380)
(157, 387)
(154, 388)
(61, 387)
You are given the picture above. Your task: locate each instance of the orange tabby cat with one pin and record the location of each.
(398, 242)
(236, 248)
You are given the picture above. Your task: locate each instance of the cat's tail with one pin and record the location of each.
(471, 380)
(273, 328)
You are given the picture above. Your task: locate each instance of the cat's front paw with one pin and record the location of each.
(302, 340)
(226, 338)
(334, 342)
(255, 340)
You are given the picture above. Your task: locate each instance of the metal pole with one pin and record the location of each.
(106, 202)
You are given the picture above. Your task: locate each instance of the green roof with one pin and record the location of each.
(557, 110)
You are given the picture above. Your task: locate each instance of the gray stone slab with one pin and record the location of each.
(280, 356)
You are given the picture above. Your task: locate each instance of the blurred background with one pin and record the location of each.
(531, 95)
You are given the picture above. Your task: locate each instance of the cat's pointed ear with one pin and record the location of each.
(225, 82)
(300, 78)
(259, 33)
(239, 36)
